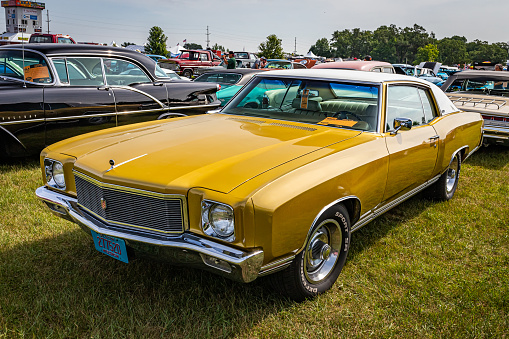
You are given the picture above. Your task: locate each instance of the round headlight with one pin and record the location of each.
(58, 174)
(221, 220)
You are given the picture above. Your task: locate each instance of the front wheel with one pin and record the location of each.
(445, 187)
(318, 265)
(188, 73)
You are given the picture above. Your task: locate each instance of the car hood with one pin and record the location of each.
(213, 151)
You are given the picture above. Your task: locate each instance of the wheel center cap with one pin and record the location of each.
(326, 251)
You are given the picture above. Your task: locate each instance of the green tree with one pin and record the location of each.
(125, 44)
(426, 53)
(156, 42)
(321, 48)
(271, 48)
(351, 43)
(192, 45)
(409, 41)
(384, 43)
(217, 47)
(453, 50)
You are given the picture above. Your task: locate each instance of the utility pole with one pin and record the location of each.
(47, 19)
(208, 40)
(295, 51)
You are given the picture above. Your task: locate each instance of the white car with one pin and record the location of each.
(247, 59)
(173, 75)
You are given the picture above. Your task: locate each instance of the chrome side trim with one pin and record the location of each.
(139, 92)
(186, 249)
(275, 266)
(371, 215)
(12, 122)
(173, 108)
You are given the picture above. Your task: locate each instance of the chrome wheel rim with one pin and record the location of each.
(322, 251)
(452, 174)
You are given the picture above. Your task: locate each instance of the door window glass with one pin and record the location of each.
(404, 102)
(79, 71)
(123, 73)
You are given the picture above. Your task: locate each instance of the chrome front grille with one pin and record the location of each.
(132, 209)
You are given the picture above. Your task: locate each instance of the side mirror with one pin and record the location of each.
(403, 124)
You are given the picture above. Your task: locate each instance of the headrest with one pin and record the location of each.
(313, 104)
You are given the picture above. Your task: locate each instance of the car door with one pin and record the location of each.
(413, 152)
(81, 103)
(21, 102)
(137, 97)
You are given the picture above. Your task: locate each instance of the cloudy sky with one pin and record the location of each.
(243, 25)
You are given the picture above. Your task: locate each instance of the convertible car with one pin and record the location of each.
(485, 92)
(49, 92)
(267, 186)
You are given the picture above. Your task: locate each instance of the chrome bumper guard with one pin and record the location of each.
(186, 249)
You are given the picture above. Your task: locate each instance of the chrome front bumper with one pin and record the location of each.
(186, 249)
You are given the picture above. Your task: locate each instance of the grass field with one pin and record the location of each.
(423, 270)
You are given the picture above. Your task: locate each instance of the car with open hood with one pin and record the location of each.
(273, 184)
(49, 92)
(487, 93)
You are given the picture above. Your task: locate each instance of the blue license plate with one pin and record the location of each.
(111, 246)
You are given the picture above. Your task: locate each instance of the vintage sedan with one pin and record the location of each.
(272, 186)
(485, 92)
(360, 65)
(49, 92)
(230, 80)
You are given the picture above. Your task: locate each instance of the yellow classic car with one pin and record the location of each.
(273, 183)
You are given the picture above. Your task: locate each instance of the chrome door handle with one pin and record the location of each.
(435, 137)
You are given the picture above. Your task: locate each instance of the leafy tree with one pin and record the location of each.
(340, 43)
(156, 42)
(271, 48)
(125, 44)
(426, 53)
(218, 48)
(409, 41)
(483, 51)
(192, 45)
(321, 48)
(352, 44)
(384, 43)
(453, 50)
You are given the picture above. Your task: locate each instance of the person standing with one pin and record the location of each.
(231, 63)
(260, 63)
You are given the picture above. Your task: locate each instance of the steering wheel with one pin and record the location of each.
(345, 114)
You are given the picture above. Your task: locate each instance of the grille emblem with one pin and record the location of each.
(103, 204)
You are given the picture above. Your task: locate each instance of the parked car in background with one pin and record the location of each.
(171, 74)
(273, 189)
(51, 39)
(360, 65)
(189, 62)
(49, 92)
(283, 64)
(247, 59)
(230, 80)
(485, 92)
(222, 66)
(156, 57)
(419, 72)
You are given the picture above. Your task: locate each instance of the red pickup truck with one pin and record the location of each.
(51, 38)
(190, 60)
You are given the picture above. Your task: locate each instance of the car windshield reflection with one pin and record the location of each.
(335, 104)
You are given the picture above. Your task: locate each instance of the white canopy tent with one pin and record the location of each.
(310, 55)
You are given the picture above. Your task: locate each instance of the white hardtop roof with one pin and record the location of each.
(343, 74)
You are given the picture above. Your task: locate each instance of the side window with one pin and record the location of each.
(61, 70)
(430, 112)
(29, 66)
(204, 57)
(404, 102)
(80, 71)
(123, 73)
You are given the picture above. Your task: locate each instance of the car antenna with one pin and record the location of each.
(23, 58)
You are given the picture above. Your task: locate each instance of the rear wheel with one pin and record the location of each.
(318, 265)
(445, 187)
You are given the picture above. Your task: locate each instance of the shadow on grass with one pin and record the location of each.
(63, 287)
(7, 164)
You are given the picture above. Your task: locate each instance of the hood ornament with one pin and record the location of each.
(112, 164)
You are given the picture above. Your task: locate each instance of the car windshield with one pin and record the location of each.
(279, 64)
(481, 86)
(331, 103)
